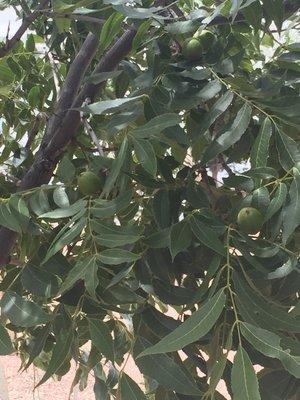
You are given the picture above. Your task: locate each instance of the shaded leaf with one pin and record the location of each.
(243, 378)
(195, 327)
(165, 370)
(268, 343)
(6, 346)
(23, 312)
(207, 236)
(146, 155)
(60, 353)
(117, 256)
(288, 151)
(129, 390)
(231, 136)
(291, 212)
(101, 338)
(180, 237)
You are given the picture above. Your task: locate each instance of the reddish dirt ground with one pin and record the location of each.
(21, 384)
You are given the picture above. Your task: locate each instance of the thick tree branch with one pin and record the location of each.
(71, 121)
(64, 124)
(28, 20)
(43, 166)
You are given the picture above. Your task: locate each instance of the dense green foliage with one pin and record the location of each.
(162, 234)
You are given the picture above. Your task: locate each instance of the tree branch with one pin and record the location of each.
(42, 168)
(28, 20)
(71, 121)
(64, 124)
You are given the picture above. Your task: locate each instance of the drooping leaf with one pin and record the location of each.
(130, 390)
(117, 256)
(180, 237)
(217, 109)
(106, 106)
(71, 234)
(60, 353)
(146, 155)
(277, 201)
(196, 326)
(165, 370)
(6, 346)
(7, 218)
(207, 236)
(115, 236)
(243, 378)
(288, 151)
(22, 312)
(91, 279)
(39, 282)
(107, 208)
(260, 149)
(110, 29)
(116, 167)
(291, 212)
(256, 310)
(79, 271)
(101, 338)
(231, 136)
(268, 343)
(156, 125)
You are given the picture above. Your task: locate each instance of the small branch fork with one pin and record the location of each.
(28, 20)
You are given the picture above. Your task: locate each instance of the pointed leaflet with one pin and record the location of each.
(180, 238)
(39, 282)
(7, 218)
(6, 346)
(22, 312)
(65, 212)
(116, 167)
(101, 338)
(288, 151)
(79, 271)
(66, 239)
(268, 343)
(146, 155)
(207, 236)
(107, 106)
(129, 390)
(231, 136)
(195, 327)
(107, 208)
(277, 201)
(91, 279)
(117, 256)
(60, 353)
(260, 149)
(19, 208)
(60, 197)
(243, 378)
(113, 235)
(217, 109)
(285, 269)
(110, 29)
(156, 125)
(291, 213)
(219, 366)
(255, 309)
(168, 373)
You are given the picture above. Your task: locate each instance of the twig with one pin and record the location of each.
(90, 130)
(54, 73)
(76, 17)
(28, 20)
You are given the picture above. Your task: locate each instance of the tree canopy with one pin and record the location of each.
(117, 118)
